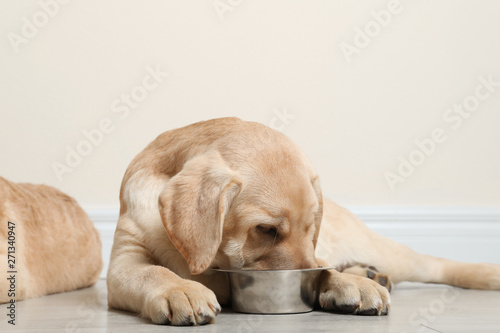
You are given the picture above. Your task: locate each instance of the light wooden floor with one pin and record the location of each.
(415, 308)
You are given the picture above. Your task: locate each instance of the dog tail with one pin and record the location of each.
(349, 241)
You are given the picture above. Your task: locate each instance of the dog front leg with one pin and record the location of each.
(351, 294)
(136, 284)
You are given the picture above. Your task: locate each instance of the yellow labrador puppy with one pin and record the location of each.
(48, 243)
(226, 193)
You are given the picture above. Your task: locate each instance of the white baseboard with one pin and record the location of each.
(465, 234)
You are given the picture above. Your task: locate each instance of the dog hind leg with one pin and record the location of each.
(344, 241)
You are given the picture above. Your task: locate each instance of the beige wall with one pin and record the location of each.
(356, 103)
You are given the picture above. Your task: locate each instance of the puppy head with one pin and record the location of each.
(275, 220)
(264, 213)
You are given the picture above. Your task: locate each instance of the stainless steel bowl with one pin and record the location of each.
(274, 291)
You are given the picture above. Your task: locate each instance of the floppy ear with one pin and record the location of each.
(193, 206)
(319, 213)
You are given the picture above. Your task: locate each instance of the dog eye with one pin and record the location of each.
(268, 230)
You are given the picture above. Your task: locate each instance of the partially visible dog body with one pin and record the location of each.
(48, 239)
(226, 193)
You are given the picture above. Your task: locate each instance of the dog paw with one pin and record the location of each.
(186, 303)
(352, 294)
(371, 273)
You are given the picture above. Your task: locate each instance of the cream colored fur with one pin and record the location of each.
(56, 245)
(226, 193)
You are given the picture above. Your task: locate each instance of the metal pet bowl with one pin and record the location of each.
(274, 291)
